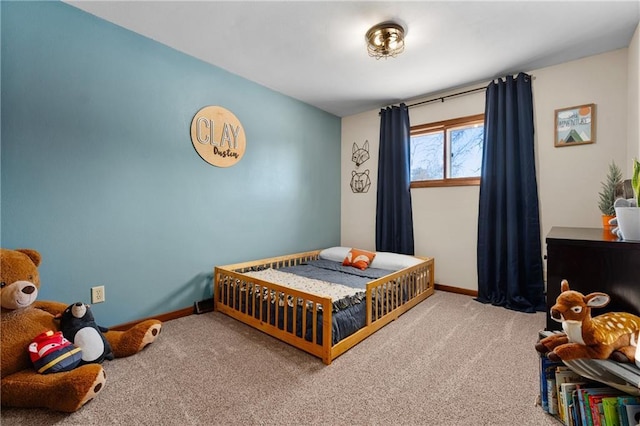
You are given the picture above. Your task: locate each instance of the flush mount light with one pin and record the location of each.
(384, 40)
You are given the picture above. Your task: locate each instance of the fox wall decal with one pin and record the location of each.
(360, 155)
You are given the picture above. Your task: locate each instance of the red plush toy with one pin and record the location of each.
(613, 334)
(50, 352)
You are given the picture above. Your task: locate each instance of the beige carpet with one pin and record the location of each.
(449, 361)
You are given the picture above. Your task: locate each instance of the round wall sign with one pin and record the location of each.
(218, 137)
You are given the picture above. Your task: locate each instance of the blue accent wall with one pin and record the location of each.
(99, 173)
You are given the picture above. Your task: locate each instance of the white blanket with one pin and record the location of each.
(308, 285)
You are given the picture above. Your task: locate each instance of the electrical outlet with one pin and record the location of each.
(97, 294)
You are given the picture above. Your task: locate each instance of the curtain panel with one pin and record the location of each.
(509, 249)
(394, 219)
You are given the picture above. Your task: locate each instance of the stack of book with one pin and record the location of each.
(577, 401)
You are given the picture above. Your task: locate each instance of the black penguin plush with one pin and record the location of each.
(78, 326)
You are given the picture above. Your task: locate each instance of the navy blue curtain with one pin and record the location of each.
(394, 220)
(509, 253)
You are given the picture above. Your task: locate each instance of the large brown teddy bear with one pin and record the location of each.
(24, 318)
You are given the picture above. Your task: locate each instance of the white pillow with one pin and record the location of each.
(393, 261)
(336, 254)
(383, 259)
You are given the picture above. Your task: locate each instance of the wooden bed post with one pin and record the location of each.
(327, 341)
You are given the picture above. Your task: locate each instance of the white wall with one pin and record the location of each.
(445, 219)
(570, 177)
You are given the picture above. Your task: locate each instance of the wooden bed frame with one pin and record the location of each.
(387, 298)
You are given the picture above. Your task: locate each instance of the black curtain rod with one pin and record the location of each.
(442, 98)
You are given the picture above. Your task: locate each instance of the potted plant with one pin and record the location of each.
(627, 211)
(608, 194)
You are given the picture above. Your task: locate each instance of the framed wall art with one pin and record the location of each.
(575, 125)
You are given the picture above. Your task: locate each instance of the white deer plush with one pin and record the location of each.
(613, 334)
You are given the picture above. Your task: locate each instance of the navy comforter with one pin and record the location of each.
(334, 272)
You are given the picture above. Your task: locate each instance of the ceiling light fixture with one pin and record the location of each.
(384, 40)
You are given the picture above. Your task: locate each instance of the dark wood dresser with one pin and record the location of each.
(593, 260)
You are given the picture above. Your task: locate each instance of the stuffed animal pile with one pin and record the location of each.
(24, 319)
(611, 335)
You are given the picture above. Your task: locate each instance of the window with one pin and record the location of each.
(447, 153)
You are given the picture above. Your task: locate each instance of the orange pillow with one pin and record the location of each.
(360, 259)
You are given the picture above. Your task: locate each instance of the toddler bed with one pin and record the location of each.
(313, 302)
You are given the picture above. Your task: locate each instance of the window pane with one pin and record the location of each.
(427, 160)
(466, 151)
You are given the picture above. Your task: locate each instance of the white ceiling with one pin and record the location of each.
(314, 51)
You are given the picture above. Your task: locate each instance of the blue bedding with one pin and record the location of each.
(334, 272)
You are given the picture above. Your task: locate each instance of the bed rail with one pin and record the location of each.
(389, 297)
(274, 262)
(304, 320)
(287, 314)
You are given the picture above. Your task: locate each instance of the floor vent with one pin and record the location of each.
(203, 306)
